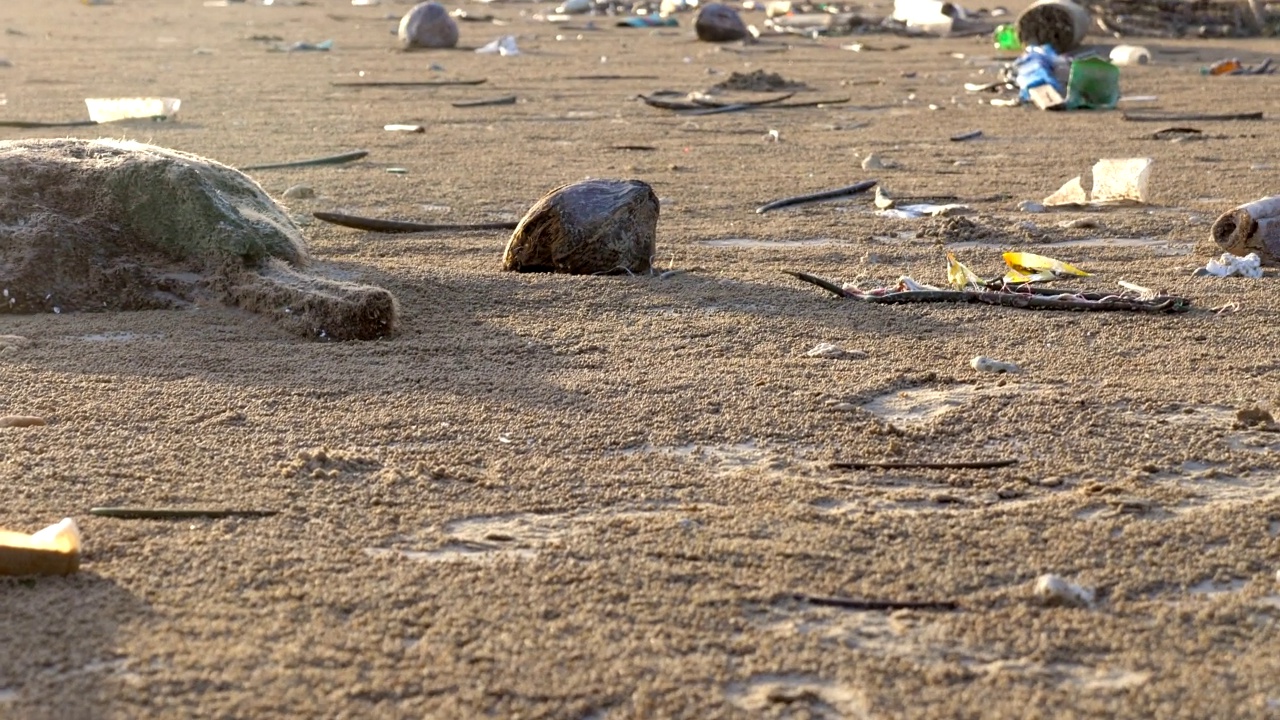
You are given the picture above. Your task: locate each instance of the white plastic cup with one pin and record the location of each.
(1130, 55)
(104, 110)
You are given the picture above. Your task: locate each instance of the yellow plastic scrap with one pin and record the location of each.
(1025, 267)
(959, 276)
(54, 550)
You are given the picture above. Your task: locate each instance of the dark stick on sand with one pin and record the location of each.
(41, 124)
(400, 226)
(613, 77)
(820, 282)
(814, 103)
(837, 194)
(504, 100)
(408, 83)
(138, 513)
(860, 604)
(705, 106)
(924, 465)
(1188, 117)
(313, 162)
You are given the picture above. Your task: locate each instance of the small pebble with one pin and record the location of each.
(1054, 591)
(983, 363)
(300, 192)
(1030, 206)
(872, 162)
(9, 421)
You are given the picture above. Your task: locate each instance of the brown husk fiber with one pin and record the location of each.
(113, 225)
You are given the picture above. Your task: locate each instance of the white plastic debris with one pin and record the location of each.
(1054, 591)
(884, 198)
(982, 363)
(834, 352)
(1130, 55)
(103, 110)
(504, 46)
(1249, 266)
(915, 212)
(1072, 193)
(931, 16)
(1121, 180)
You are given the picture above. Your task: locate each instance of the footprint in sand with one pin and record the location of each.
(918, 406)
(925, 641)
(798, 696)
(484, 538)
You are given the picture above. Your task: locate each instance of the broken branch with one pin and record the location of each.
(836, 194)
(400, 226)
(923, 465)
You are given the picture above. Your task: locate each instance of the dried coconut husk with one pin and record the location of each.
(114, 225)
(310, 305)
(428, 25)
(717, 22)
(1252, 227)
(1061, 24)
(595, 226)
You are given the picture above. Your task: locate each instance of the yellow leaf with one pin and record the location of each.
(959, 276)
(1039, 267)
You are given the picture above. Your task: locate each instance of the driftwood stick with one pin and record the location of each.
(837, 194)
(719, 109)
(400, 226)
(139, 513)
(408, 83)
(1037, 300)
(313, 162)
(707, 106)
(708, 102)
(862, 604)
(504, 100)
(814, 103)
(614, 77)
(824, 284)
(1188, 117)
(924, 465)
(1019, 296)
(41, 124)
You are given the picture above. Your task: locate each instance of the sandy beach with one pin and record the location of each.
(598, 497)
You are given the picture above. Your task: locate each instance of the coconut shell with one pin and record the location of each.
(591, 227)
(428, 25)
(717, 22)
